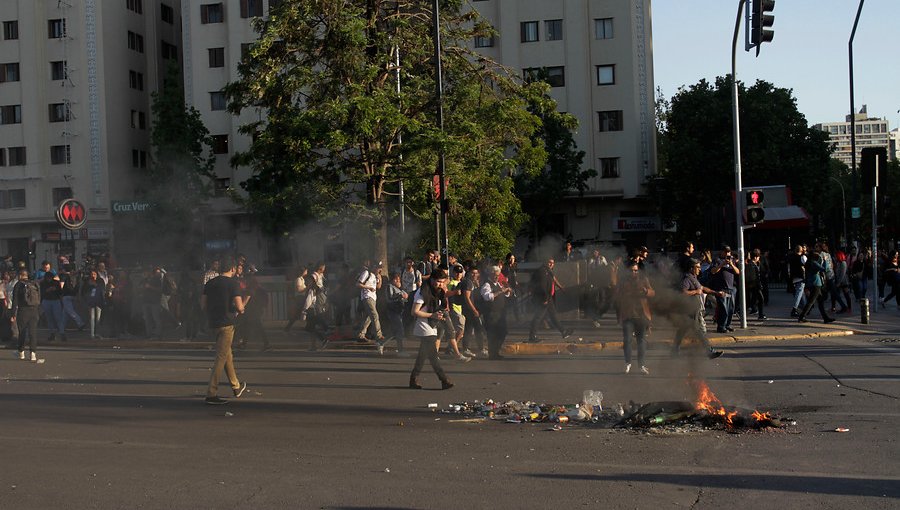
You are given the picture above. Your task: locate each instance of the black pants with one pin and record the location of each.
(27, 322)
(547, 310)
(474, 328)
(428, 350)
(496, 334)
(755, 299)
(815, 297)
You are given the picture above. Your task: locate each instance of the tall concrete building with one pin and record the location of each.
(870, 132)
(597, 56)
(75, 84)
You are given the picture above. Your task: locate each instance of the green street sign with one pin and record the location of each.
(855, 213)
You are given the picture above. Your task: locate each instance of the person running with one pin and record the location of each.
(815, 282)
(891, 277)
(222, 302)
(544, 289)
(428, 313)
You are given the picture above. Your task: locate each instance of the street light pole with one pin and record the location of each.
(843, 209)
(738, 210)
(443, 241)
(855, 188)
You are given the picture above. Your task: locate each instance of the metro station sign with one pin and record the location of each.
(71, 214)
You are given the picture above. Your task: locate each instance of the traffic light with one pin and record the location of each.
(754, 201)
(761, 22)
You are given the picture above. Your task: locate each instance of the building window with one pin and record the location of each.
(136, 80)
(59, 112)
(212, 13)
(56, 28)
(606, 75)
(60, 155)
(10, 30)
(484, 41)
(169, 51)
(135, 42)
(554, 76)
(12, 199)
(167, 13)
(135, 5)
(554, 29)
(138, 119)
(9, 72)
(138, 158)
(603, 28)
(217, 101)
(245, 49)
(16, 156)
(11, 114)
(58, 70)
(251, 8)
(220, 144)
(2, 157)
(609, 168)
(216, 57)
(530, 31)
(60, 194)
(611, 120)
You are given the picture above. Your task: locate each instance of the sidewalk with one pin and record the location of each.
(586, 337)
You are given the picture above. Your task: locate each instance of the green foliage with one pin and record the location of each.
(777, 145)
(322, 81)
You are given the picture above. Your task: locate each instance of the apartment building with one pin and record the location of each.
(870, 132)
(597, 56)
(75, 84)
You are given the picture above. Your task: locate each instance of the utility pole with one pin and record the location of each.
(854, 190)
(738, 198)
(443, 239)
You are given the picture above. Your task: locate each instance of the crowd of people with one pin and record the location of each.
(465, 305)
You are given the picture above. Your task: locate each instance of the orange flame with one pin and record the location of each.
(758, 416)
(707, 401)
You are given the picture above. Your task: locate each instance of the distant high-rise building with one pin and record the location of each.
(894, 150)
(870, 132)
(75, 84)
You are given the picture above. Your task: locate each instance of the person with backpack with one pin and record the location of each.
(25, 313)
(368, 283)
(544, 287)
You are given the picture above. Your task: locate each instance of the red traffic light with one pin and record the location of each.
(755, 198)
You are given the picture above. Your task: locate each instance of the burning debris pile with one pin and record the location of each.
(706, 413)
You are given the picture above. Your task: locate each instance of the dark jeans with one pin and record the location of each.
(636, 328)
(724, 309)
(395, 326)
(547, 310)
(815, 297)
(428, 350)
(835, 294)
(474, 328)
(496, 334)
(755, 299)
(27, 322)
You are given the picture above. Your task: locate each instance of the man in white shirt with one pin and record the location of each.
(369, 282)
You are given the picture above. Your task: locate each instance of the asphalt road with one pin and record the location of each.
(117, 428)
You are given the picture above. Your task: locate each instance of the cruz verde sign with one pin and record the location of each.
(133, 207)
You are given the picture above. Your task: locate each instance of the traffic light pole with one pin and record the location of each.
(443, 204)
(738, 199)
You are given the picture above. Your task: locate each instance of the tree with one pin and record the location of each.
(322, 79)
(177, 179)
(541, 192)
(777, 144)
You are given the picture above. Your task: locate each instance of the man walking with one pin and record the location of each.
(222, 302)
(723, 273)
(694, 323)
(494, 297)
(544, 289)
(368, 284)
(26, 300)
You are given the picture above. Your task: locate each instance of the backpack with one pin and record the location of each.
(32, 293)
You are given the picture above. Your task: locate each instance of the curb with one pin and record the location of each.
(574, 348)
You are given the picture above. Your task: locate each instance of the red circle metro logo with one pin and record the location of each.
(71, 214)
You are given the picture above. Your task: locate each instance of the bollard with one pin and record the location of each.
(864, 310)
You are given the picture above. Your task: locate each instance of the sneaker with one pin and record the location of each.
(215, 401)
(362, 340)
(714, 354)
(464, 359)
(762, 318)
(829, 320)
(729, 329)
(446, 385)
(802, 319)
(380, 349)
(469, 353)
(627, 368)
(52, 337)
(644, 370)
(721, 330)
(240, 390)
(484, 353)
(596, 324)
(22, 355)
(567, 333)
(33, 356)
(795, 313)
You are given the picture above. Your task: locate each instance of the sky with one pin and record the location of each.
(809, 54)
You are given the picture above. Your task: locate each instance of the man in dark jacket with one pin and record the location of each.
(544, 289)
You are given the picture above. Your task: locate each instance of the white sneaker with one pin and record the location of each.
(33, 356)
(627, 367)
(484, 353)
(644, 370)
(469, 353)
(380, 349)
(21, 354)
(464, 359)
